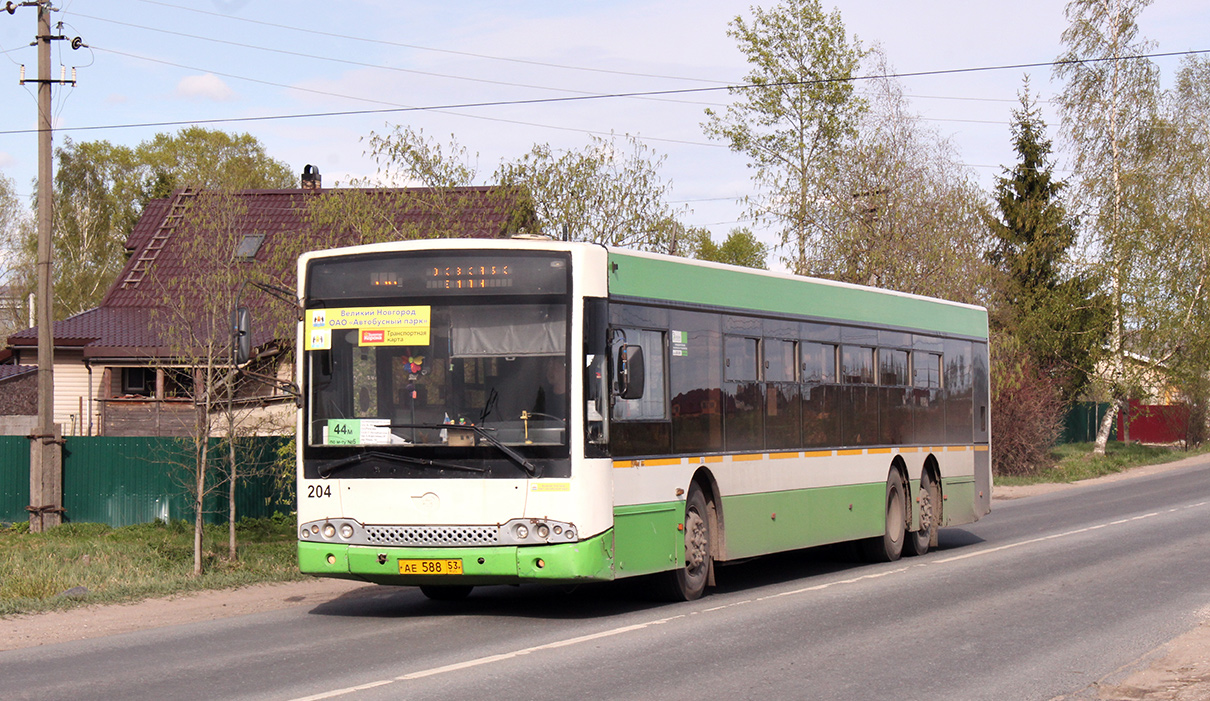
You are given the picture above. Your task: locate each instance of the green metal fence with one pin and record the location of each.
(123, 481)
(1082, 421)
(14, 478)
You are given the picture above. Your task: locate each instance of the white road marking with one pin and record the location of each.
(568, 642)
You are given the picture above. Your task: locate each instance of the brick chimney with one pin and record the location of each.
(310, 178)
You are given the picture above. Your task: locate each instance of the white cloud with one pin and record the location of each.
(205, 87)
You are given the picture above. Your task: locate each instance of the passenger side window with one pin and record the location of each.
(653, 405)
(742, 363)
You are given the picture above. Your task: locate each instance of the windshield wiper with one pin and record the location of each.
(513, 455)
(327, 468)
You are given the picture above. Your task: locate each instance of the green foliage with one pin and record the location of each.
(740, 248)
(1073, 462)
(1108, 105)
(14, 223)
(905, 214)
(100, 190)
(135, 562)
(1061, 322)
(406, 158)
(796, 117)
(608, 192)
(1143, 168)
(208, 159)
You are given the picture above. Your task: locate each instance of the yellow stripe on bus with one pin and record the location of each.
(782, 456)
(623, 463)
(749, 456)
(980, 449)
(818, 454)
(879, 451)
(856, 451)
(663, 461)
(958, 448)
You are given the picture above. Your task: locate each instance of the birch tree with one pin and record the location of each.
(797, 112)
(1108, 108)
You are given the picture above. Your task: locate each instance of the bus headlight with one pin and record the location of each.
(331, 529)
(533, 531)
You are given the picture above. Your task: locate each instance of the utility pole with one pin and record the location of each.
(46, 456)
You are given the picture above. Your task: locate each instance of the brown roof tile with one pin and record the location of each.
(163, 256)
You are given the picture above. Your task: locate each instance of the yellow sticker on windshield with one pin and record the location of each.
(375, 326)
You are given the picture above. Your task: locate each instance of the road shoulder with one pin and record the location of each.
(53, 627)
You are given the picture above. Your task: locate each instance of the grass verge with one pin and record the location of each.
(1075, 461)
(96, 564)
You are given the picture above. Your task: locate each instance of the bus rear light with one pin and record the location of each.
(346, 531)
(329, 530)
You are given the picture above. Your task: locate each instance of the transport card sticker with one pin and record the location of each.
(375, 326)
(680, 344)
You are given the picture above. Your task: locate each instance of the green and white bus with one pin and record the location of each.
(507, 411)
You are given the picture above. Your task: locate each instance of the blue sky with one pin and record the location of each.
(177, 61)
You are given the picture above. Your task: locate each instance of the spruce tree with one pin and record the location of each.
(1059, 319)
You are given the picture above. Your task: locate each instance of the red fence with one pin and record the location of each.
(1154, 423)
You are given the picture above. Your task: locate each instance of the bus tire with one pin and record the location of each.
(689, 582)
(919, 541)
(446, 592)
(889, 546)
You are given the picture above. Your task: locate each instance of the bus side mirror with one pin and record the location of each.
(631, 372)
(241, 335)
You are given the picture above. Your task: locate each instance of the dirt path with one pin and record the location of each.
(1176, 671)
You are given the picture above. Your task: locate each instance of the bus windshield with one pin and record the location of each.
(462, 374)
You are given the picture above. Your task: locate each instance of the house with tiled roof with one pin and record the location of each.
(129, 366)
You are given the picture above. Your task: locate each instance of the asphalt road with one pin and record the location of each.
(1044, 597)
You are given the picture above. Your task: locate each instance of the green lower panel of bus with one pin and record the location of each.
(505, 564)
(758, 524)
(960, 501)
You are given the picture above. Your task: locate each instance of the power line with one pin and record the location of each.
(432, 49)
(347, 62)
(609, 96)
(393, 104)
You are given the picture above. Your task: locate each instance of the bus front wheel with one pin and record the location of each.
(889, 546)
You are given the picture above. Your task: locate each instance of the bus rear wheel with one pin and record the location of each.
(446, 592)
(919, 541)
(689, 582)
(889, 546)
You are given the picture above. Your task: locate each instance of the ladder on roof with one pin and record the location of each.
(176, 215)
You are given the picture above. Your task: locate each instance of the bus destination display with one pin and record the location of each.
(470, 273)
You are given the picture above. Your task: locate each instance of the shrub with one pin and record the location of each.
(1027, 411)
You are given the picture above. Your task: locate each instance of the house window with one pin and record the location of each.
(139, 382)
(178, 384)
